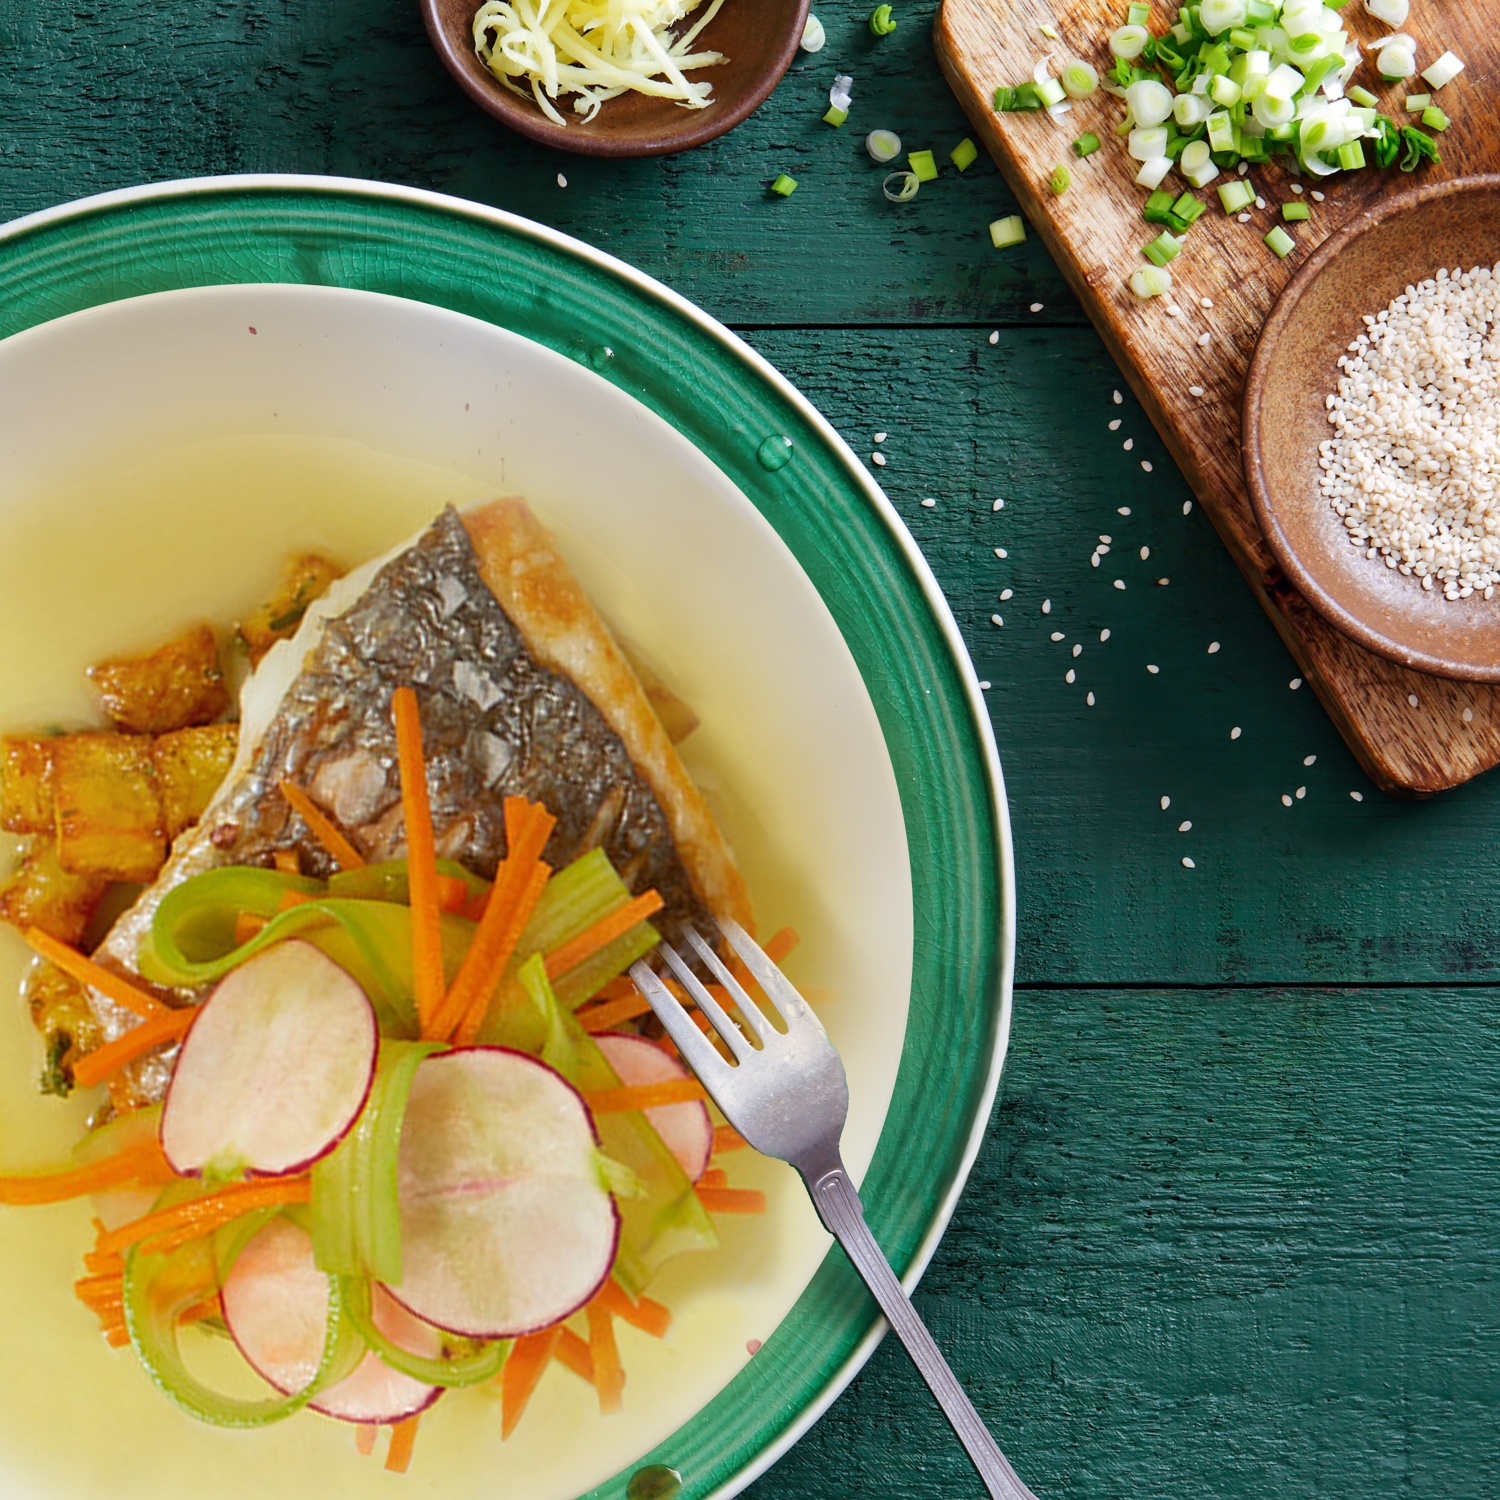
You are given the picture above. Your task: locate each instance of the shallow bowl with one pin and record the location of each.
(1356, 272)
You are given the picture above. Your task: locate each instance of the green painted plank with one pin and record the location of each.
(93, 98)
(1328, 889)
(1219, 1244)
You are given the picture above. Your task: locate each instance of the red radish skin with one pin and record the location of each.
(685, 1128)
(506, 1224)
(275, 1069)
(275, 1304)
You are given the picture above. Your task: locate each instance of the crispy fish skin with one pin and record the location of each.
(498, 720)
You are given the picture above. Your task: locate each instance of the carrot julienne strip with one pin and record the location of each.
(473, 1018)
(609, 1377)
(165, 1228)
(611, 1013)
(728, 1200)
(142, 1163)
(287, 861)
(246, 925)
(403, 1440)
(421, 858)
(103, 1061)
(365, 1434)
(453, 893)
(323, 828)
(650, 1317)
(78, 966)
(645, 1096)
(727, 1138)
(714, 1177)
(588, 942)
(779, 944)
(528, 1358)
(573, 1352)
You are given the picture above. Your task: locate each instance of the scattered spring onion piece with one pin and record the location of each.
(1079, 79)
(882, 22)
(1158, 207)
(1443, 71)
(1150, 281)
(1012, 97)
(834, 115)
(1129, 41)
(1086, 144)
(1416, 103)
(784, 186)
(1351, 155)
(1060, 181)
(900, 187)
(923, 165)
(1188, 210)
(1004, 233)
(883, 145)
(1050, 92)
(1164, 248)
(1153, 173)
(1139, 13)
(1392, 12)
(1362, 97)
(1416, 148)
(964, 154)
(1281, 243)
(1434, 119)
(813, 35)
(1236, 196)
(1292, 212)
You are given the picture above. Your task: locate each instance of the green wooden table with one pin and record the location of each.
(1236, 1227)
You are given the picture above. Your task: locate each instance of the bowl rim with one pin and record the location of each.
(519, 115)
(125, 202)
(1251, 432)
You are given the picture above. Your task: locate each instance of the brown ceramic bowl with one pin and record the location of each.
(758, 37)
(1357, 271)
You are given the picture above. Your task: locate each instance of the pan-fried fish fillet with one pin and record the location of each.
(523, 691)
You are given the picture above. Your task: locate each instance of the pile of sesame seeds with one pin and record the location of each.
(1413, 467)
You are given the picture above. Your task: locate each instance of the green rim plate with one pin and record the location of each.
(727, 401)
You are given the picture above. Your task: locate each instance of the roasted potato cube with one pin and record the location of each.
(43, 894)
(190, 764)
(175, 686)
(26, 787)
(61, 1013)
(109, 812)
(307, 577)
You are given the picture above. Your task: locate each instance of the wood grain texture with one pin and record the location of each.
(1095, 232)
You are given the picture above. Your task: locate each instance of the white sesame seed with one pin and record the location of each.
(1468, 716)
(1296, 187)
(1171, 309)
(1077, 649)
(1114, 426)
(1301, 792)
(1244, 218)
(561, 180)
(1103, 636)
(1057, 635)
(1145, 553)
(1285, 800)
(1006, 594)
(1036, 307)
(1046, 606)
(1244, 168)
(1213, 646)
(1128, 444)
(1187, 507)
(1187, 864)
(1089, 700)
(1118, 398)
(1184, 827)
(1123, 510)
(1308, 760)
(929, 503)
(1415, 701)
(996, 620)
(995, 337)
(1071, 676)
(1195, 390)
(1259, 203)
(1295, 683)
(1204, 340)
(1163, 582)
(1094, 560)
(1153, 670)
(1146, 465)
(1318, 196)
(1357, 796)
(880, 437)
(1166, 802)
(1234, 733)
(1119, 583)
(878, 459)
(998, 505)
(984, 687)
(1105, 539)
(1205, 302)
(1001, 553)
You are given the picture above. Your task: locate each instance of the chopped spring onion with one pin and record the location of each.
(1086, 144)
(1079, 79)
(1154, 172)
(1158, 207)
(1010, 97)
(1147, 145)
(1060, 181)
(833, 115)
(784, 186)
(1351, 155)
(1224, 90)
(1139, 13)
(882, 22)
(1416, 103)
(1150, 102)
(1281, 243)
(1416, 148)
(1049, 91)
(1291, 212)
(1221, 131)
(1392, 12)
(1363, 97)
(883, 145)
(1187, 210)
(813, 35)
(1129, 42)
(901, 187)
(1222, 15)
(1190, 110)
(839, 95)
(922, 165)
(1396, 63)
(964, 154)
(1150, 281)
(1434, 119)
(1164, 248)
(1443, 71)
(1236, 196)
(1197, 164)
(1007, 232)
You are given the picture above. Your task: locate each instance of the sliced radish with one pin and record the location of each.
(275, 1069)
(276, 1306)
(685, 1128)
(506, 1224)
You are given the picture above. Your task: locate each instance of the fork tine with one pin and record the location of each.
(779, 990)
(755, 1020)
(734, 1038)
(696, 1049)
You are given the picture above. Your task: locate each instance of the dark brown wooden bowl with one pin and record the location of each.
(1358, 271)
(758, 37)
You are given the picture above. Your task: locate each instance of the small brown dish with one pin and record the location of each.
(757, 37)
(1355, 272)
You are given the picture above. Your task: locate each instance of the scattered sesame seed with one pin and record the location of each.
(1295, 683)
(1119, 583)
(1119, 399)
(1057, 635)
(1187, 507)
(1357, 796)
(1094, 560)
(1234, 733)
(1152, 669)
(1114, 426)
(1172, 309)
(1318, 196)
(1297, 187)
(1468, 716)
(1103, 636)
(1071, 676)
(1123, 510)
(1106, 540)
(995, 337)
(1184, 827)
(1213, 646)
(1285, 800)
(1259, 203)
(929, 503)
(1001, 553)
(1077, 649)
(1308, 760)
(1036, 307)
(1301, 792)
(878, 459)
(1166, 802)
(1146, 465)
(561, 180)
(1090, 700)
(1195, 390)
(1187, 864)
(1204, 340)
(1415, 701)
(1046, 606)
(1128, 444)
(984, 687)
(1163, 582)
(1205, 302)
(1145, 553)
(998, 505)
(1244, 168)
(1006, 594)
(996, 620)
(880, 437)
(1244, 218)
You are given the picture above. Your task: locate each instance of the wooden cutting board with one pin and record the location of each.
(1409, 730)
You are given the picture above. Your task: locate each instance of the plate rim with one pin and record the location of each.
(873, 496)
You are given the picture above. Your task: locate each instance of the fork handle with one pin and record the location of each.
(839, 1208)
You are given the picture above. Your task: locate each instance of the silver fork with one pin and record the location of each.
(785, 1092)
